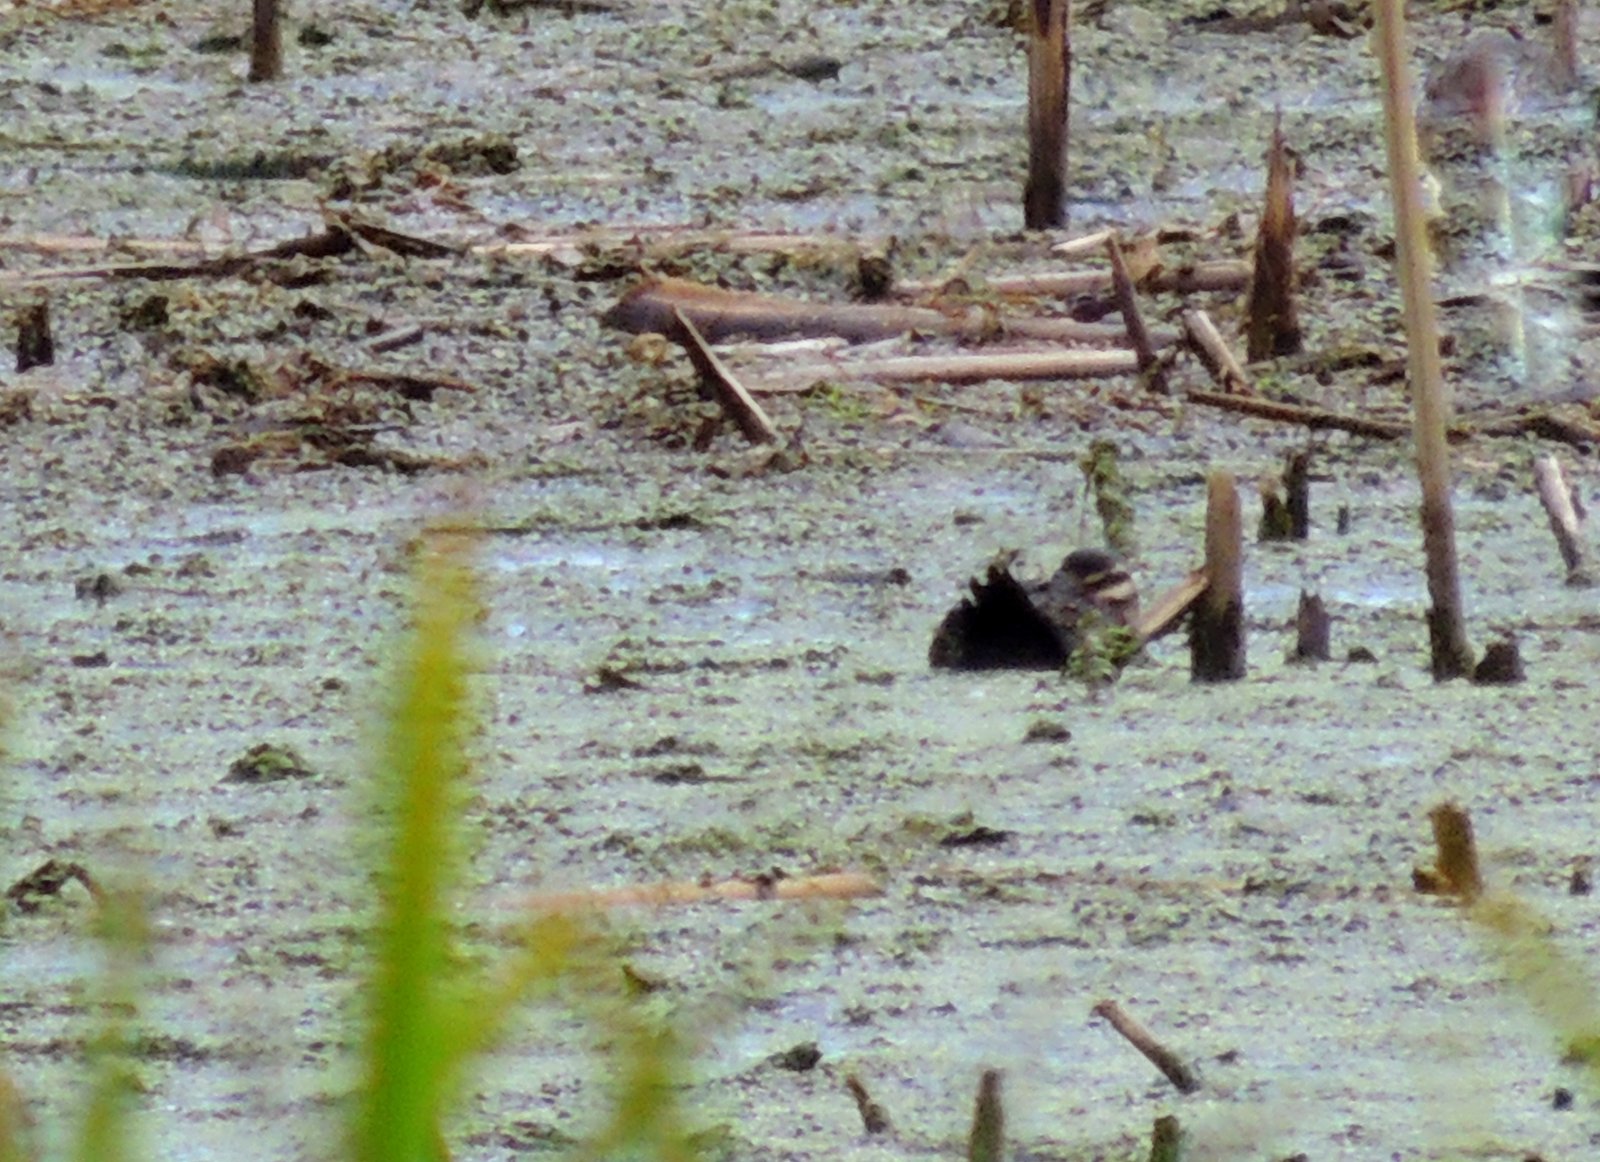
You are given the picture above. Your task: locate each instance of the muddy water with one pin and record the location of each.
(1233, 864)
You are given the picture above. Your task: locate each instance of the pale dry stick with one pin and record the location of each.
(1565, 521)
(1084, 244)
(828, 886)
(1138, 334)
(1012, 365)
(1044, 198)
(1431, 404)
(736, 401)
(1214, 354)
(1223, 275)
(1164, 1059)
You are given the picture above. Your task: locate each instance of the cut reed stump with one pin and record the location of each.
(1273, 321)
(1431, 405)
(1164, 1059)
(1501, 664)
(1166, 1140)
(987, 1142)
(1312, 629)
(1216, 634)
(1044, 198)
(266, 41)
(1455, 872)
(36, 347)
(1564, 508)
(1212, 350)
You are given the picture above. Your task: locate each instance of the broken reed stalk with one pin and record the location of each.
(1565, 37)
(987, 1142)
(1212, 350)
(724, 388)
(1044, 199)
(266, 41)
(1565, 521)
(1431, 405)
(1216, 633)
(1166, 1140)
(36, 347)
(1123, 290)
(1164, 1059)
(1297, 487)
(1273, 326)
(874, 1119)
(1457, 861)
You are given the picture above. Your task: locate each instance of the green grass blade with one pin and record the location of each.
(106, 1132)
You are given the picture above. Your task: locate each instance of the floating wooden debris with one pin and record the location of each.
(1563, 507)
(1127, 297)
(28, 893)
(826, 886)
(1164, 1059)
(1214, 355)
(724, 387)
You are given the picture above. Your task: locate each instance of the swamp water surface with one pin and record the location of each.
(1231, 864)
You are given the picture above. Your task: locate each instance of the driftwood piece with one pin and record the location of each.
(1562, 507)
(1272, 325)
(1044, 198)
(827, 886)
(1127, 297)
(1212, 350)
(723, 386)
(967, 368)
(1164, 1059)
(1168, 610)
(1216, 633)
(722, 314)
(266, 41)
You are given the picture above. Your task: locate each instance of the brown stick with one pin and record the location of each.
(1216, 634)
(727, 390)
(1138, 334)
(1044, 199)
(1208, 345)
(1565, 37)
(828, 886)
(1273, 328)
(1164, 1059)
(1312, 629)
(1557, 499)
(266, 41)
(1431, 405)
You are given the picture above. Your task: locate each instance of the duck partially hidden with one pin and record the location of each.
(1007, 624)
